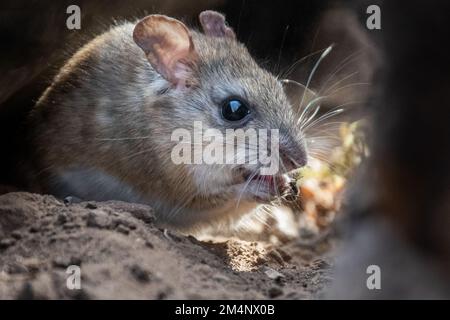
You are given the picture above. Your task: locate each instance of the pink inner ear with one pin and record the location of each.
(168, 46)
(214, 25)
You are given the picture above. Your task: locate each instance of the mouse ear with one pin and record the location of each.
(214, 25)
(168, 46)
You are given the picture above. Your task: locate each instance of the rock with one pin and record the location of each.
(140, 274)
(71, 200)
(124, 222)
(91, 206)
(32, 264)
(71, 225)
(273, 274)
(16, 235)
(149, 244)
(139, 211)
(122, 229)
(6, 243)
(274, 292)
(16, 268)
(33, 229)
(16, 210)
(98, 219)
(62, 218)
(64, 261)
(220, 277)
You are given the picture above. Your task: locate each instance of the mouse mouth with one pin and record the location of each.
(263, 187)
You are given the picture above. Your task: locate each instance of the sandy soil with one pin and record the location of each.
(123, 255)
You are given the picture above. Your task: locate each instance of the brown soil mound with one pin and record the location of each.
(122, 254)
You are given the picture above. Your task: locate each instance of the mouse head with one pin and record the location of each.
(213, 85)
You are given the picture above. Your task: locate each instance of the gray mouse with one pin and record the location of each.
(102, 130)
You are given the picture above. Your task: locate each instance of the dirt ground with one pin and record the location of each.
(123, 255)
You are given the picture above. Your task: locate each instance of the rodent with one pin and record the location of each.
(102, 129)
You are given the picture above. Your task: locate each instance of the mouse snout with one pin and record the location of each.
(292, 150)
(293, 157)
(291, 161)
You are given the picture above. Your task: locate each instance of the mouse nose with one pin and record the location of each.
(293, 158)
(292, 150)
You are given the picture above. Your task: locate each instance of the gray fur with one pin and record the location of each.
(109, 111)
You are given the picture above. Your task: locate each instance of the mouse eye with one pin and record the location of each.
(234, 110)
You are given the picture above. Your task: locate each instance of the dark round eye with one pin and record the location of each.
(234, 110)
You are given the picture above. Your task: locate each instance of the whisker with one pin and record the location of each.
(249, 179)
(281, 47)
(340, 66)
(310, 104)
(313, 115)
(349, 86)
(322, 56)
(306, 126)
(340, 81)
(296, 63)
